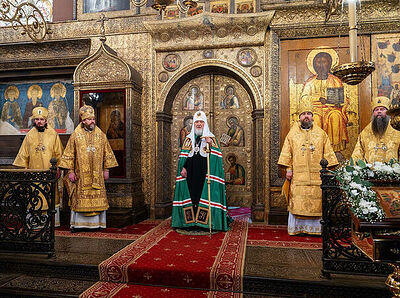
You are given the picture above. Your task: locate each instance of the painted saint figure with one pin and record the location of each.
(194, 99)
(11, 112)
(326, 93)
(230, 100)
(235, 131)
(236, 171)
(185, 130)
(116, 128)
(34, 93)
(58, 111)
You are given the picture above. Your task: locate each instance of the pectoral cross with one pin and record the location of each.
(40, 147)
(90, 148)
(303, 149)
(384, 147)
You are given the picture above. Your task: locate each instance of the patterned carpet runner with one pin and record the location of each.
(132, 232)
(165, 257)
(122, 290)
(277, 236)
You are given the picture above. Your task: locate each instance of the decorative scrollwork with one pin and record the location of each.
(26, 15)
(340, 255)
(27, 203)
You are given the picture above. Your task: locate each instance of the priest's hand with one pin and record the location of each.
(106, 174)
(289, 174)
(72, 177)
(184, 173)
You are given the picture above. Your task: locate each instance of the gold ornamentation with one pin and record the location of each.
(27, 15)
(354, 73)
(393, 280)
(314, 52)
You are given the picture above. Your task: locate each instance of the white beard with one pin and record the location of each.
(198, 131)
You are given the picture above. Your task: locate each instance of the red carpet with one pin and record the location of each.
(122, 290)
(132, 232)
(277, 236)
(165, 257)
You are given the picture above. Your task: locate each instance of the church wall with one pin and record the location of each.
(145, 51)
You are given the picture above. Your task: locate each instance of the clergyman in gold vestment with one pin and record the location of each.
(378, 141)
(40, 144)
(304, 147)
(87, 156)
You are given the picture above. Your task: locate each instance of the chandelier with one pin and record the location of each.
(161, 5)
(24, 14)
(356, 71)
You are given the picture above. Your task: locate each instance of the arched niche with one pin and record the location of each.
(114, 89)
(164, 120)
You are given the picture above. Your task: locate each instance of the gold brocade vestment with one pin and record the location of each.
(302, 152)
(36, 151)
(88, 153)
(371, 148)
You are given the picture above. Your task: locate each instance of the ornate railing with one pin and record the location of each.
(27, 208)
(339, 254)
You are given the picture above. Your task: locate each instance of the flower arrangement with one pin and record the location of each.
(354, 182)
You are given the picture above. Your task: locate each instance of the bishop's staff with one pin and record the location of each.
(209, 184)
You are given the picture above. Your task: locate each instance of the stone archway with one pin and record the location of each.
(166, 129)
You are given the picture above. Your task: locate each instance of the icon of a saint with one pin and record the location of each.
(185, 130)
(235, 133)
(11, 111)
(58, 111)
(116, 128)
(230, 100)
(35, 94)
(194, 99)
(326, 93)
(236, 173)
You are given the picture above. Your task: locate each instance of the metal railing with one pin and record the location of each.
(27, 208)
(339, 254)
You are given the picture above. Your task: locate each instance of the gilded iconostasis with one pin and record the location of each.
(229, 103)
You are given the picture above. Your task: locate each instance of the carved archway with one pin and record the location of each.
(164, 118)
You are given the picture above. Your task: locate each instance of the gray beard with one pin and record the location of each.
(198, 132)
(379, 125)
(306, 125)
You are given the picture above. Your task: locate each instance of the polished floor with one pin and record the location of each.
(74, 269)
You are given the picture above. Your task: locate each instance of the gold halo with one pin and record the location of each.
(15, 89)
(58, 85)
(314, 52)
(230, 117)
(231, 155)
(230, 86)
(36, 87)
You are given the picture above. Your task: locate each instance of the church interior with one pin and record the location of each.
(147, 67)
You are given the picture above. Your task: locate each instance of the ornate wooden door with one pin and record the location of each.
(228, 109)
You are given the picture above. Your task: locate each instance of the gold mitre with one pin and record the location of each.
(304, 106)
(86, 112)
(40, 112)
(380, 101)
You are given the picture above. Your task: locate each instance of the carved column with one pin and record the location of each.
(163, 200)
(257, 207)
